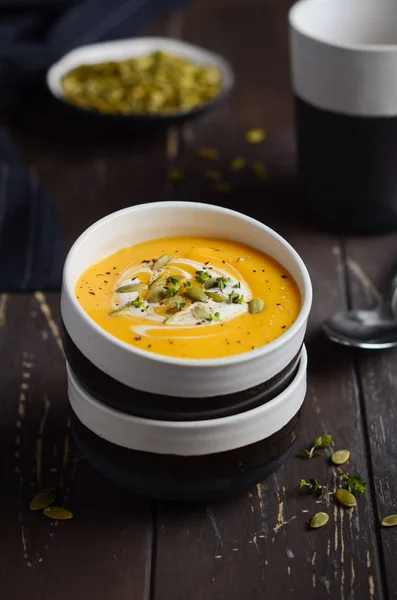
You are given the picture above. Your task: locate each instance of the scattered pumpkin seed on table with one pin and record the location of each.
(319, 520)
(175, 174)
(389, 521)
(208, 153)
(254, 136)
(259, 170)
(238, 163)
(212, 175)
(345, 497)
(156, 83)
(43, 499)
(340, 457)
(58, 513)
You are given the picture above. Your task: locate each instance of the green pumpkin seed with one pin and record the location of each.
(120, 311)
(210, 283)
(345, 497)
(43, 499)
(200, 312)
(160, 279)
(389, 521)
(319, 520)
(170, 318)
(132, 287)
(196, 294)
(216, 297)
(156, 294)
(175, 300)
(161, 262)
(340, 457)
(58, 513)
(256, 305)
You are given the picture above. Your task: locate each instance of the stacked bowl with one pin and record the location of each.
(182, 428)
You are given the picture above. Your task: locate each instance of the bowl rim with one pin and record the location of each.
(53, 77)
(260, 352)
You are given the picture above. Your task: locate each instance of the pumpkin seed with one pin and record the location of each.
(389, 521)
(132, 287)
(170, 318)
(340, 457)
(210, 283)
(160, 279)
(254, 136)
(319, 520)
(345, 497)
(156, 294)
(200, 312)
(161, 262)
(175, 300)
(43, 499)
(58, 513)
(196, 294)
(121, 310)
(216, 297)
(256, 305)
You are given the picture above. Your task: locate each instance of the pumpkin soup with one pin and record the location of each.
(190, 297)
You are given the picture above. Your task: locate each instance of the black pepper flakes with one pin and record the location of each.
(137, 338)
(146, 261)
(284, 276)
(92, 293)
(263, 270)
(207, 263)
(114, 268)
(278, 303)
(254, 270)
(107, 273)
(150, 345)
(283, 327)
(224, 262)
(105, 281)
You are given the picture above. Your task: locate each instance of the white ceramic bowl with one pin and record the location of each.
(189, 438)
(131, 48)
(165, 375)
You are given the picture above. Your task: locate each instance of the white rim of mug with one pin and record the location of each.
(292, 19)
(192, 362)
(189, 438)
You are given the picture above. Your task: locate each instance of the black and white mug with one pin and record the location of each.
(344, 78)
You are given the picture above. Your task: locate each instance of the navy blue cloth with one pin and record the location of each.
(33, 35)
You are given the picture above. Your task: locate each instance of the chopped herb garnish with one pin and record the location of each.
(214, 317)
(237, 285)
(313, 486)
(188, 284)
(223, 281)
(353, 483)
(320, 442)
(202, 276)
(235, 298)
(172, 286)
(138, 302)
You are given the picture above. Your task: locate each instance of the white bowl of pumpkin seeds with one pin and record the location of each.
(148, 78)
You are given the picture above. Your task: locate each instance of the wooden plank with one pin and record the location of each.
(110, 532)
(259, 545)
(371, 262)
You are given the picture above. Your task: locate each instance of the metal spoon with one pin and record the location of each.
(372, 329)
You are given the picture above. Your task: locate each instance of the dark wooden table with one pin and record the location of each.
(249, 548)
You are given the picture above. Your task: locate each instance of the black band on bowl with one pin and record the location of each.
(187, 478)
(111, 392)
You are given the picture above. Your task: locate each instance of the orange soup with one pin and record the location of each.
(190, 297)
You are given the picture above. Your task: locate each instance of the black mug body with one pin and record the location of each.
(344, 66)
